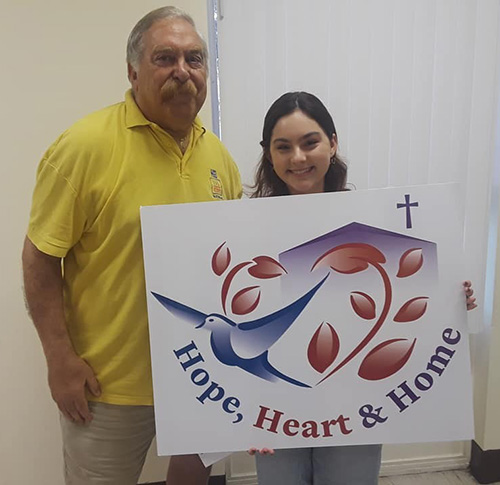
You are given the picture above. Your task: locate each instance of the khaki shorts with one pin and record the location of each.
(110, 450)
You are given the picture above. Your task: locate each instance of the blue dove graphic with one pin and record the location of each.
(245, 345)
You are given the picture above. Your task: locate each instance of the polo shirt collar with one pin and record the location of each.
(134, 116)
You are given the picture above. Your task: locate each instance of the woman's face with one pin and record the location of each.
(300, 153)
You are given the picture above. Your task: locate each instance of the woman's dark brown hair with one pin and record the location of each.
(267, 183)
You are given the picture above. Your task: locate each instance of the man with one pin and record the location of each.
(82, 258)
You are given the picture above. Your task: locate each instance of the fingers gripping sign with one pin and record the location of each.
(261, 451)
(470, 300)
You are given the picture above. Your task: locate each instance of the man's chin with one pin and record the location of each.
(183, 111)
(183, 107)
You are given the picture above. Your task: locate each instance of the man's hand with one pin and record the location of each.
(69, 376)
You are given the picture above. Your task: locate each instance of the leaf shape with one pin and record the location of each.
(266, 267)
(246, 300)
(221, 259)
(411, 261)
(412, 310)
(350, 258)
(226, 284)
(363, 305)
(386, 359)
(323, 347)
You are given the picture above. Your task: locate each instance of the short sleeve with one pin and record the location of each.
(57, 219)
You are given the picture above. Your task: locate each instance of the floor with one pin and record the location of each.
(441, 478)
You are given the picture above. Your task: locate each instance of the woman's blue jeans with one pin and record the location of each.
(332, 465)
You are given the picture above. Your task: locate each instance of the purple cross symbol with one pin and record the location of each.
(408, 207)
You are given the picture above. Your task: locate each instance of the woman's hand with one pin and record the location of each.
(261, 451)
(470, 300)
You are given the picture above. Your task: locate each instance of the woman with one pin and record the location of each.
(299, 144)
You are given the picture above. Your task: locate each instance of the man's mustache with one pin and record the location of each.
(172, 88)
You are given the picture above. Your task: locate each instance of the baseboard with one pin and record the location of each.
(215, 480)
(250, 479)
(484, 465)
(423, 465)
(389, 468)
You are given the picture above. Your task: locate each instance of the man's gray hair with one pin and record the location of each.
(135, 44)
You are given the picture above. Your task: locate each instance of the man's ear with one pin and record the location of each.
(132, 73)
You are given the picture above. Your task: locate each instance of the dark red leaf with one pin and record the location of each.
(386, 359)
(221, 259)
(363, 305)
(323, 347)
(412, 310)
(266, 267)
(350, 258)
(410, 262)
(246, 300)
(228, 280)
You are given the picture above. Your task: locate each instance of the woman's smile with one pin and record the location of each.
(301, 171)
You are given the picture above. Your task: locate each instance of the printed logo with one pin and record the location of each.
(307, 271)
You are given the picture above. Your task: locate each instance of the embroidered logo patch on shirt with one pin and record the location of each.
(216, 185)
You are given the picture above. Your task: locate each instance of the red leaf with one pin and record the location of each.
(323, 347)
(246, 300)
(350, 258)
(266, 267)
(221, 259)
(228, 280)
(412, 310)
(363, 305)
(386, 359)
(410, 262)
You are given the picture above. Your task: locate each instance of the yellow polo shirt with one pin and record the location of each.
(90, 185)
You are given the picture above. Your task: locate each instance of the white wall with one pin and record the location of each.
(60, 60)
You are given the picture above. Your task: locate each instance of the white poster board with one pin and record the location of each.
(317, 320)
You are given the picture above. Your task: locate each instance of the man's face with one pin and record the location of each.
(170, 84)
